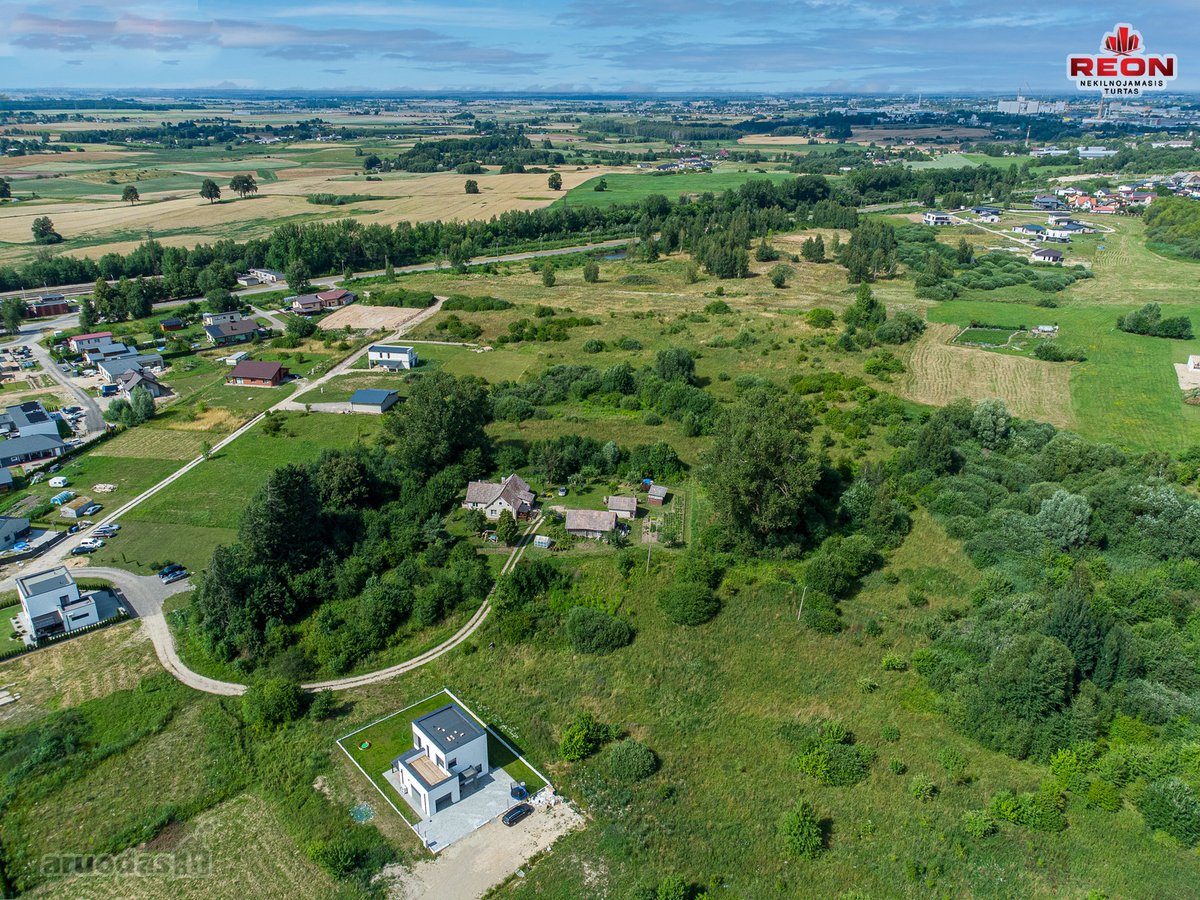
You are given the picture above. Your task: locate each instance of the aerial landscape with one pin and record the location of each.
(674, 452)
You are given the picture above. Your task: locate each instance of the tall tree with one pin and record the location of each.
(760, 472)
(243, 184)
(210, 190)
(554, 182)
(442, 420)
(507, 530)
(142, 405)
(472, 186)
(280, 525)
(297, 277)
(130, 195)
(87, 314)
(43, 231)
(14, 310)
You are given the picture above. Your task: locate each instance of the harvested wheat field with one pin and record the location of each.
(160, 443)
(368, 318)
(940, 373)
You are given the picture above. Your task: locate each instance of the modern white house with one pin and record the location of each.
(51, 603)
(449, 754)
(267, 276)
(391, 356)
(210, 318)
(512, 494)
(937, 218)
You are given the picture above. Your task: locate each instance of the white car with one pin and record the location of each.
(91, 543)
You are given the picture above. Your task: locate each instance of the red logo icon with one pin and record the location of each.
(1122, 41)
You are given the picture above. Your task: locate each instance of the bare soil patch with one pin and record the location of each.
(368, 318)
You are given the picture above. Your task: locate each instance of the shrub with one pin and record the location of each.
(1170, 805)
(890, 733)
(592, 630)
(801, 831)
(867, 685)
(897, 766)
(894, 662)
(978, 823)
(955, 765)
(271, 702)
(1103, 795)
(652, 418)
(1041, 811)
(631, 761)
(584, 737)
(922, 788)
(591, 345)
(820, 317)
(688, 603)
(820, 613)
(673, 887)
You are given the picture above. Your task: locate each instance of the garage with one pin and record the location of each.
(442, 802)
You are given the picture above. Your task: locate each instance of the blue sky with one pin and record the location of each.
(573, 45)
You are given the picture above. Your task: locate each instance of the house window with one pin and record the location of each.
(452, 763)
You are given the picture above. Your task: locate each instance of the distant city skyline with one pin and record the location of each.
(570, 46)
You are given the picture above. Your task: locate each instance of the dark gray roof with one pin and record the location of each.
(372, 396)
(28, 413)
(34, 443)
(5, 476)
(40, 582)
(448, 727)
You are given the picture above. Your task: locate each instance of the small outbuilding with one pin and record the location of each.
(369, 400)
(657, 495)
(624, 507)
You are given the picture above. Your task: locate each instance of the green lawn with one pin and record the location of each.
(632, 188)
(985, 336)
(393, 736)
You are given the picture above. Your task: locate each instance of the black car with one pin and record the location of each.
(171, 573)
(516, 814)
(80, 551)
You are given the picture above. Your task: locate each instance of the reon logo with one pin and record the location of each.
(1124, 69)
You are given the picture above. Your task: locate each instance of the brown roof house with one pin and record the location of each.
(254, 373)
(593, 524)
(512, 494)
(624, 507)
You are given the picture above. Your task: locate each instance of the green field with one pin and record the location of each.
(633, 188)
(985, 336)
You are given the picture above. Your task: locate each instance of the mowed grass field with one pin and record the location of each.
(633, 187)
(185, 521)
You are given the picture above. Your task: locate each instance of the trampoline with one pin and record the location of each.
(518, 790)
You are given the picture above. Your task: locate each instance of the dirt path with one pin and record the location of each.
(468, 868)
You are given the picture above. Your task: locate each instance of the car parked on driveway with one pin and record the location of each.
(516, 814)
(91, 543)
(172, 573)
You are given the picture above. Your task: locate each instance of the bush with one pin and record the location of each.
(801, 831)
(978, 823)
(897, 766)
(673, 887)
(890, 733)
(1170, 805)
(592, 630)
(688, 603)
(591, 345)
(922, 788)
(584, 737)
(1041, 811)
(955, 765)
(631, 761)
(820, 317)
(271, 702)
(894, 662)
(1103, 795)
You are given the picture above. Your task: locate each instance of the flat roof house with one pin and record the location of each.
(268, 276)
(370, 400)
(1028, 229)
(48, 305)
(624, 507)
(82, 342)
(449, 754)
(1046, 255)
(512, 494)
(592, 524)
(255, 373)
(51, 603)
(111, 350)
(15, 451)
(231, 332)
(934, 217)
(391, 356)
(26, 419)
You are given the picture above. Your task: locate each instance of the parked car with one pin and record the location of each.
(54, 468)
(175, 576)
(562, 492)
(91, 509)
(516, 814)
(91, 543)
(80, 551)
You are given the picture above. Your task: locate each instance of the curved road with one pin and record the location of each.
(145, 594)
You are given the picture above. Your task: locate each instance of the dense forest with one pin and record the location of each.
(506, 147)
(1173, 226)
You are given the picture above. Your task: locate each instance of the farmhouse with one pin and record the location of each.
(1047, 201)
(391, 356)
(593, 524)
(657, 495)
(1046, 255)
(373, 400)
(231, 332)
(15, 451)
(210, 318)
(51, 603)
(449, 754)
(82, 342)
(26, 419)
(933, 217)
(512, 494)
(254, 373)
(12, 529)
(624, 507)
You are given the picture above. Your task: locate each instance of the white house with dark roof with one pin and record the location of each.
(1046, 255)
(391, 356)
(51, 603)
(512, 494)
(449, 754)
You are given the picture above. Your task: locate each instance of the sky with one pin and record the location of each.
(585, 46)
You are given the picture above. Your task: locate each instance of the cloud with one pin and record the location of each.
(74, 62)
(335, 71)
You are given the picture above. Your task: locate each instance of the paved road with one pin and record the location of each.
(95, 419)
